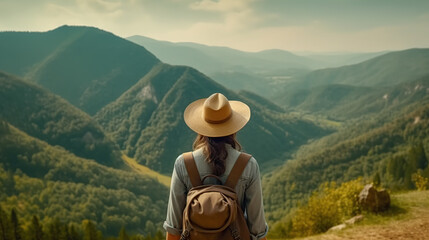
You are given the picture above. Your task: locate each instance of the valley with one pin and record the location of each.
(91, 123)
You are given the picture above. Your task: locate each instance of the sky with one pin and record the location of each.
(248, 25)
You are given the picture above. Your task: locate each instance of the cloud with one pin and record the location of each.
(244, 24)
(221, 5)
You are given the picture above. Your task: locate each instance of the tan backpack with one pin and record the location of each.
(212, 212)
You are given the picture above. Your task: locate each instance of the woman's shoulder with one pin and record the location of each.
(179, 164)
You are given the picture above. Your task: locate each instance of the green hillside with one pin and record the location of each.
(394, 151)
(147, 120)
(50, 118)
(86, 66)
(52, 183)
(385, 70)
(343, 102)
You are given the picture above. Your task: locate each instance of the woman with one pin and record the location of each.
(216, 121)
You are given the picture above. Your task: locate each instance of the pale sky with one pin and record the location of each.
(249, 25)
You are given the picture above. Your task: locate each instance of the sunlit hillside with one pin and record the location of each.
(165, 180)
(408, 219)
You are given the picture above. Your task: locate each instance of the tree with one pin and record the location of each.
(35, 230)
(54, 230)
(123, 234)
(376, 180)
(89, 230)
(73, 233)
(16, 226)
(4, 225)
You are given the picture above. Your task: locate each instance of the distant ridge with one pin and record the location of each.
(383, 83)
(385, 70)
(211, 59)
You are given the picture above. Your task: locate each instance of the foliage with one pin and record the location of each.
(345, 102)
(395, 150)
(38, 179)
(422, 183)
(147, 120)
(86, 66)
(328, 206)
(50, 118)
(56, 229)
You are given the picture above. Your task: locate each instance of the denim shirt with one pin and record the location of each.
(248, 189)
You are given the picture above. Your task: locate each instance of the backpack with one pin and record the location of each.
(212, 212)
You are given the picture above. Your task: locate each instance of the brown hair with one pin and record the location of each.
(215, 150)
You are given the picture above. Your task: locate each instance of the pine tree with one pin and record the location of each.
(54, 230)
(123, 234)
(35, 230)
(422, 161)
(16, 226)
(4, 225)
(376, 180)
(74, 235)
(64, 232)
(90, 232)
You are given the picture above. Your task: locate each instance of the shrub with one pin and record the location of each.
(327, 207)
(421, 182)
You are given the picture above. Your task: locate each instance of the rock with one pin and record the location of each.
(354, 220)
(372, 200)
(338, 227)
(383, 200)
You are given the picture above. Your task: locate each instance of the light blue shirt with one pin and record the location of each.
(248, 189)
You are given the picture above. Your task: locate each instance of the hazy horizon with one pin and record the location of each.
(328, 26)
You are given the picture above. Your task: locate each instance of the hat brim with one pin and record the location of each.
(193, 116)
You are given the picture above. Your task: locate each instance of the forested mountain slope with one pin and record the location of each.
(393, 151)
(85, 65)
(343, 102)
(147, 120)
(386, 70)
(50, 118)
(50, 182)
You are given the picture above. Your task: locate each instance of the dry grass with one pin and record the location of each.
(132, 163)
(408, 219)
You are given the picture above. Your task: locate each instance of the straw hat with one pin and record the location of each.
(215, 116)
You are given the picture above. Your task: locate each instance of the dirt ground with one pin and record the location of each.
(404, 229)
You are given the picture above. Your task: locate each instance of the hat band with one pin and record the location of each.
(218, 121)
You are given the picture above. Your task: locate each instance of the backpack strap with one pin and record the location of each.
(192, 169)
(237, 170)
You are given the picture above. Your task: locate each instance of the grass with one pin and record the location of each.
(131, 162)
(408, 218)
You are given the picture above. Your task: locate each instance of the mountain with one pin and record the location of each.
(261, 72)
(147, 120)
(210, 59)
(393, 150)
(50, 118)
(383, 71)
(342, 102)
(38, 179)
(137, 99)
(87, 66)
(338, 59)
